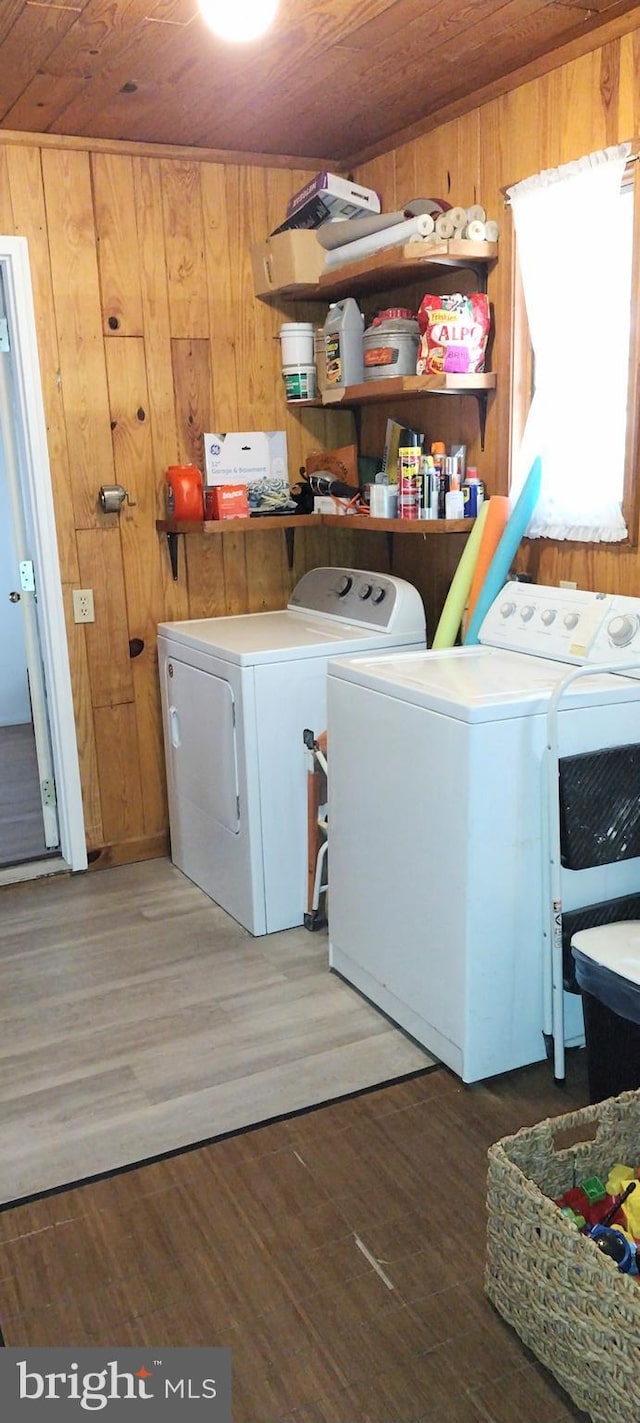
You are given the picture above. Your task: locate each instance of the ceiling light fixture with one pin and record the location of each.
(238, 20)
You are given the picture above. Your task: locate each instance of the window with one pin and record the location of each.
(574, 241)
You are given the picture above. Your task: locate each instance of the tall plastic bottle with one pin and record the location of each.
(439, 453)
(343, 353)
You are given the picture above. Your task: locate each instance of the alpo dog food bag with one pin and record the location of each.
(455, 329)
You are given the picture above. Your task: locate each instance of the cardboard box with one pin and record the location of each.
(256, 459)
(227, 501)
(290, 260)
(325, 197)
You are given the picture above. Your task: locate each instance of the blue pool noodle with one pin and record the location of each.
(507, 549)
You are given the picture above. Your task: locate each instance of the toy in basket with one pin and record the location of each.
(566, 1299)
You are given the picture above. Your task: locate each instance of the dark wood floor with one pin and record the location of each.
(340, 1254)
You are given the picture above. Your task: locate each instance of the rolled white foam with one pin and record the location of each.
(476, 231)
(459, 216)
(396, 236)
(444, 227)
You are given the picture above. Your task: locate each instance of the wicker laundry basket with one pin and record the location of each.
(567, 1301)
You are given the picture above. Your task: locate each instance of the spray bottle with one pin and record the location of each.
(409, 475)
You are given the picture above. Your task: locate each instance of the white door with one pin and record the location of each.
(23, 440)
(21, 625)
(202, 738)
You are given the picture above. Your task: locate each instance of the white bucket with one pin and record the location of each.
(299, 381)
(296, 341)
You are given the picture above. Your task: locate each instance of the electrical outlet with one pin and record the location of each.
(83, 605)
(564, 583)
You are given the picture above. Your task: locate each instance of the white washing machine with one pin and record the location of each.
(437, 840)
(237, 694)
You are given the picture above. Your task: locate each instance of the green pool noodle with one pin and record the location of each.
(456, 599)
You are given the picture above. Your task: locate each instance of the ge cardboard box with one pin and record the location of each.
(255, 458)
(289, 260)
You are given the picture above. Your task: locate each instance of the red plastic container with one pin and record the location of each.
(184, 492)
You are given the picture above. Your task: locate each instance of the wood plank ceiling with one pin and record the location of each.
(332, 79)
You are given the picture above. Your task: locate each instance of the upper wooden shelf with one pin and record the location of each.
(397, 266)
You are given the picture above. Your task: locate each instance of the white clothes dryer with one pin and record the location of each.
(237, 694)
(439, 918)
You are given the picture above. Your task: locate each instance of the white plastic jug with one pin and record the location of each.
(343, 330)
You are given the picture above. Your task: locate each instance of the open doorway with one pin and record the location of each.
(41, 821)
(22, 830)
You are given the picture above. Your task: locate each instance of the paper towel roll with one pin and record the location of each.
(111, 498)
(476, 213)
(491, 230)
(402, 232)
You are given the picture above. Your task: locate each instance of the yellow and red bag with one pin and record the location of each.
(454, 333)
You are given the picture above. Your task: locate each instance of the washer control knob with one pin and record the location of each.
(507, 610)
(571, 620)
(378, 594)
(623, 629)
(548, 616)
(344, 585)
(364, 591)
(527, 613)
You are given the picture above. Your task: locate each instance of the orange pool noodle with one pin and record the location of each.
(495, 523)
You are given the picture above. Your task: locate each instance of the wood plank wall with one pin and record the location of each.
(581, 106)
(149, 335)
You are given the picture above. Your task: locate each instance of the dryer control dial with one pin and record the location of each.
(571, 620)
(364, 591)
(507, 610)
(623, 629)
(344, 586)
(526, 613)
(378, 594)
(548, 616)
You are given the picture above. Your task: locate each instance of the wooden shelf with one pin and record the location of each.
(394, 267)
(372, 392)
(308, 521)
(236, 526)
(289, 523)
(394, 388)
(397, 526)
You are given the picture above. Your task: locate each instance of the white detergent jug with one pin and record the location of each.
(343, 330)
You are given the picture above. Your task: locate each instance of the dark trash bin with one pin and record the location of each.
(607, 966)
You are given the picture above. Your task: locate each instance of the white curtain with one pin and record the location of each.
(574, 237)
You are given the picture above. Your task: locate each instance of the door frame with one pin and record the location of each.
(37, 495)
